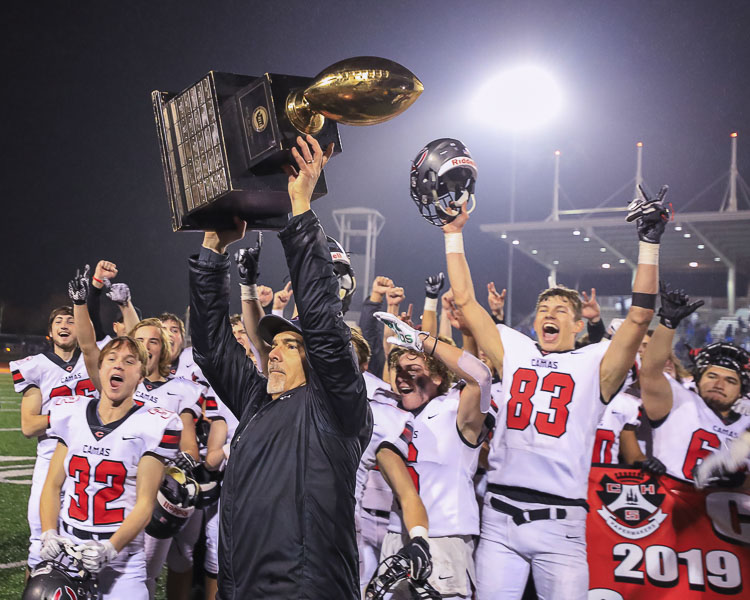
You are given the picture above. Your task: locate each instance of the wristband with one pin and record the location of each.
(433, 348)
(97, 279)
(418, 531)
(279, 312)
(454, 243)
(648, 254)
(430, 304)
(248, 292)
(647, 301)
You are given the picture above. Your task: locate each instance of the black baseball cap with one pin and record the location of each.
(272, 325)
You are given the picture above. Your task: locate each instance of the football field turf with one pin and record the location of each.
(16, 464)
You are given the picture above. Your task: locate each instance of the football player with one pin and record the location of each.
(554, 395)
(382, 473)
(689, 425)
(108, 464)
(449, 428)
(59, 371)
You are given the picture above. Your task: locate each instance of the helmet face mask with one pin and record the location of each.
(56, 580)
(395, 568)
(442, 180)
(726, 355)
(175, 503)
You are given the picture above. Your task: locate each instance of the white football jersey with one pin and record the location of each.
(393, 427)
(216, 409)
(690, 432)
(443, 467)
(54, 378)
(102, 460)
(176, 395)
(624, 409)
(552, 404)
(374, 383)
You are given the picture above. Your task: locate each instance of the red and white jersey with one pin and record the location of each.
(690, 432)
(102, 460)
(374, 383)
(552, 407)
(185, 367)
(393, 427)
(443, 465)
(216, 409)
(624, 409)
(54, 378)
(176, 395)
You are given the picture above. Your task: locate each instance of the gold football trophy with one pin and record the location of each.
(225, 139)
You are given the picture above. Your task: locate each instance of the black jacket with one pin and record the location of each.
(287, 503)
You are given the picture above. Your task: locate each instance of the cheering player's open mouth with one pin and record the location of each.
(116, 381)
(550, 331)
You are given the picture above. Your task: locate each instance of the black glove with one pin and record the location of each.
(651, 465)
(650, 214)
(187, 463)
(433, 284)
(78, 287)
(675, 306)
(417, 551)
(202, 429)
(247, 262)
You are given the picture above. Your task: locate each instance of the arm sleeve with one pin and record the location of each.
(326, 335)
(221, 359)
(94, 302)
(25, 374)
(596, 331)
(372, 330)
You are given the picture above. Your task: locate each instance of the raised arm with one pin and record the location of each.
(252, 310)
(104, 272)
(327, 337)
(78, 290)
(223, 361)
(478, 320)
(432, 286)
(651, 217)
(656, 392)
(119, 293)
(372, 330)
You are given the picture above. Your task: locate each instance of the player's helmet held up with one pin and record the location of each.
(722, 354)
(53, 580)
(175, 503)
(342, 266)
(442, 180)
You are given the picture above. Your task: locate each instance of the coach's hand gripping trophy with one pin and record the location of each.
(224, 140)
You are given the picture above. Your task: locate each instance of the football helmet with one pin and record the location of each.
(342, 266)
(722, 354)
(395, 569)
(56, 580)
(175, 503)
(442, 180)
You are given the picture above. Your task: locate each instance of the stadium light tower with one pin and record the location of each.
(518, 100)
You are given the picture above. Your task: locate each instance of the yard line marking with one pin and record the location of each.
(13, 565)
(10, 429)
(16, 458)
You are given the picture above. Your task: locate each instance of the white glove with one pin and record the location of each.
(52, 544)
(94, 555)
(406, 336)
(719, 464)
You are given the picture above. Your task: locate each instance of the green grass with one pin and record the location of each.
(14, 498)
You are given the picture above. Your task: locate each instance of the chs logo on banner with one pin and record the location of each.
(630, 504)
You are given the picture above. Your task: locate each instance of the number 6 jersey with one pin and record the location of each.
(102, 460)
(552, 408)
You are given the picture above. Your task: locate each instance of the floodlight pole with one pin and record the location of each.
(638, 169)
(556, 189)
(509, 286)
(732, 206)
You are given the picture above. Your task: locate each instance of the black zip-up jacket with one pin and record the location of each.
(287, 503)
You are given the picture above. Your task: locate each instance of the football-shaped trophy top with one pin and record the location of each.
(364, 90)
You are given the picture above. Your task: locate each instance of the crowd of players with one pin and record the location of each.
(476, 472)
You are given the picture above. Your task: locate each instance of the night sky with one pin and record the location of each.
(81, 156)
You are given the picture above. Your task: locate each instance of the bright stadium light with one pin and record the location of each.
(519, 99)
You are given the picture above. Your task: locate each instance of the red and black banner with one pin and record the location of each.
(657, 537)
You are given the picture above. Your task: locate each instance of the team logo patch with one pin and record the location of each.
(69, 368)
(69, 594)
(630, 503)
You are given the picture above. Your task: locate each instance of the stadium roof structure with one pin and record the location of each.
(598, 239)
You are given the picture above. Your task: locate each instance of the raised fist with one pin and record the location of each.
(119, 293)
(265, 295)
(78, 287)
(433, 284)
(394, 296)
(104, 271)
(379, 288)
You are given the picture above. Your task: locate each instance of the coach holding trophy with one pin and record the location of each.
(287, 503)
